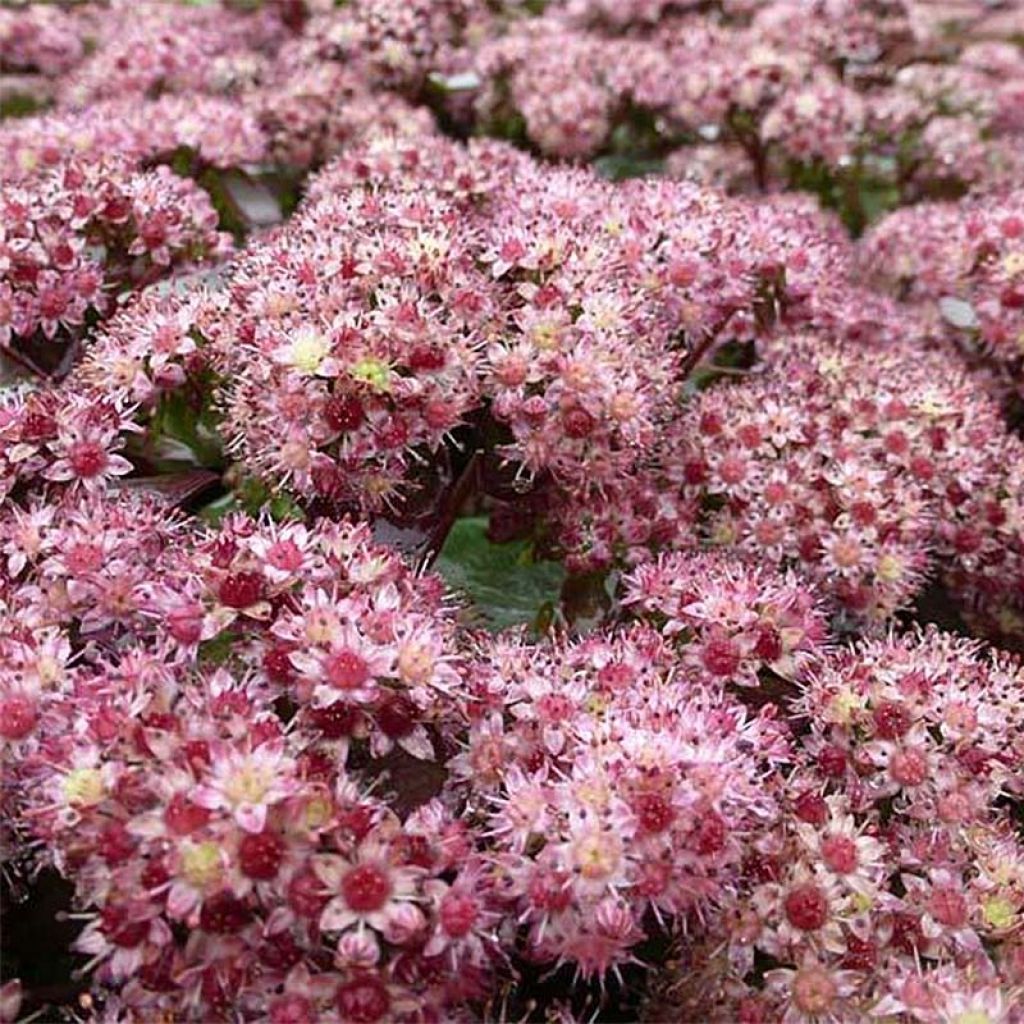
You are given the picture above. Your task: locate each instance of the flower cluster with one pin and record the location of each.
(354, 339)
(149, 49)
(712, 311)
(310, 111)
(881, 460)
(734, 621)
(635, 514)
(894, 884)
(583, 372)
(231, 867)
(342, 628)
(923, 719)
(215, 131)
(395, 44)
(876, 93)
(984, 535)
(42, 39)
(459, 276)
(62, 438)
(561, 94)
(780, 483)
(617, 794)
(149, 671)
(963, 262)
(85, 231)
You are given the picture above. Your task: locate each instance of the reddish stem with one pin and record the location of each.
(704, 345)
(19, 359)
(453, 501)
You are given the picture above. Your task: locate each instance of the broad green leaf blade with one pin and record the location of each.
(507, 587)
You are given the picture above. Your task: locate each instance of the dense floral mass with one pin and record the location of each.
(512, 511)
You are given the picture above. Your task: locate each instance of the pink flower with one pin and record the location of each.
(247, 783)
(370, 890)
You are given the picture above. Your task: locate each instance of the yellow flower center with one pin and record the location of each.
(1013, 263)
(373, 372)
(623, 406)
(597, 855)
(545, 336)
(933, 404)
(594, 794)
(48, 669)
(247, 786)
(999, 912)
(844, 704)
(201, 865)
(84, 787)
(308, 351)
(890, 569)
(862, 902)
(429, 246)
(972, 1017)
(415, 664)
(320, 626)
(807, 105)
(317, 812)
(830, 366)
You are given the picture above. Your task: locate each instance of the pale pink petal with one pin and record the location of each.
(251, 817)
(181, 900)
(418, 744)
(208, 797)
(60, 471)
(336, 916)
(117, 465)
(125, 962)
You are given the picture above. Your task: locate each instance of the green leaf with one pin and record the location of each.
(19, 104)
(217, 649)
(181, 433)
(505, 584)
(283, 508)
(252, 497)
(216, 510)
(621, 166)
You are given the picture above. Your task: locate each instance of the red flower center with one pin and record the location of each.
(344, 413)
(811, 807)
(721, 656)
(346, 670)
(17, 717)
(654, 813)
(363, 1001)
(366, 888)
(891, 721)
(260, 855)
(459, 912)
(87, 459)
(840, 854)
(806, 907)
(241, 589)
(909, 767)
